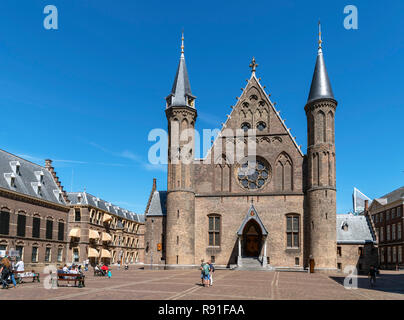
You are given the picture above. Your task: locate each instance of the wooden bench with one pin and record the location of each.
(21, 275)
(76, 277)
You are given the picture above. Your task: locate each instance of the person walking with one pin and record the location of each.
(201, 268)
(5, 271)
(212, 269)
(372, 276)
(206, 270)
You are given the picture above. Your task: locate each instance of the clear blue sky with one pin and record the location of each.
(87, 94)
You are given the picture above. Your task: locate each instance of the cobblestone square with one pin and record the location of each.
(139, 284)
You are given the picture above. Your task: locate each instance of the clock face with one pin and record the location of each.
(253, 174)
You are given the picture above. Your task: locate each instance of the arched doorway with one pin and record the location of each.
(252, 236)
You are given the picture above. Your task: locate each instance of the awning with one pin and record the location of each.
(93, 253)
(75, 232)
(92, 234)
(106, 237)
(105, 254)
(106, 218)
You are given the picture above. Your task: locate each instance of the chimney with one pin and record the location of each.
(48, 166)
(48, 163)
(154, 184)
(366, 205)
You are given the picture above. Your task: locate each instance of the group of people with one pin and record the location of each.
(103, 270)
(73, 269)
(207, 269)
(7, 268)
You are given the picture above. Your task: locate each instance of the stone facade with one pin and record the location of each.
(285, 206)
(107, 233)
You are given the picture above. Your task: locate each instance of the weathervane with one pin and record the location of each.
(253, 65)
(182, 43)
(320, 41)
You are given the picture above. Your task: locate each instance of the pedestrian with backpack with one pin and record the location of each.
(206, 270)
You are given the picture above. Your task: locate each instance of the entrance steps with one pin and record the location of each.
(254, 264)
(251, 264)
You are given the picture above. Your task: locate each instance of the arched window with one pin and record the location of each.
(214, 230)
(284, 173)
(292, 231)
(321, 127)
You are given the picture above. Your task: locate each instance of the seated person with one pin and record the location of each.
(60, 271)
(104, 269)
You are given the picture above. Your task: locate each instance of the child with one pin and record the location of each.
(109, 273)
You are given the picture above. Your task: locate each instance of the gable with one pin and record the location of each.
(254, 108)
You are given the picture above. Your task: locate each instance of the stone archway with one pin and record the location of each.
(252, 239)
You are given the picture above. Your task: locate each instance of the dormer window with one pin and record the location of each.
(37, 188)
(191, 102)
(79, 197)
(15, 166)
(10, 178)
(96, 200)
(58, 194)
(39, 176)
(108, 205)
(344, 226)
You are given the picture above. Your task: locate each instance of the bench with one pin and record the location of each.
(21, 275)
(76, 277)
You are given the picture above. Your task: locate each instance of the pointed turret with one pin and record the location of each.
(181, 95)
(320, 85)
(321, 175)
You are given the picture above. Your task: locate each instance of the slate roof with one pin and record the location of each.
(359, 230)
(25, 177)
(394, 195)
(158, 204)
(86, 198)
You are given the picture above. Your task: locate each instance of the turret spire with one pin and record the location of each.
(181, 94)
(320, 85)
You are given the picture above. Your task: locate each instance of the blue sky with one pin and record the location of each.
(87, 94)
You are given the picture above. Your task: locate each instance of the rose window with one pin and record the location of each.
(253, 174)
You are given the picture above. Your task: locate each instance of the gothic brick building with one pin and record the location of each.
(277, 210)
